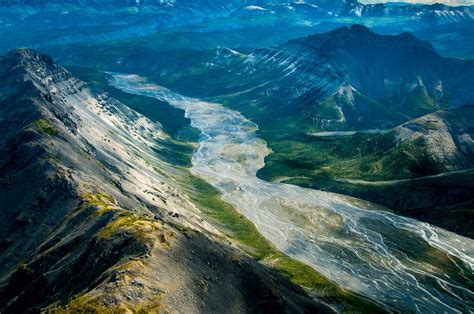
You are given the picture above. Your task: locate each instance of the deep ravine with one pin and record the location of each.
(403, 263)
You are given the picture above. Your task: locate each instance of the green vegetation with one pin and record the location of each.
(104, 203)
(44, 127)
(86, 304)
(379, 111)
(175, 152)
(419, 103)
(367, 166)
(330, 108)
(100, 199)
(139, 227)
(323, 158)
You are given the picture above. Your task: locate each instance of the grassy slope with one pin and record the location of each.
(234, 225)
(362, 156)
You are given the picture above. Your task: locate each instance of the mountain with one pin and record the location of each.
(186, 8)
(213, 4)
(349, 78)
(445, 137)
(435, 13)
(93, 219)
(36, 23)
(448, 2)
(315, 8)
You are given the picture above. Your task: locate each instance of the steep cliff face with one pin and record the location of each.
(92, 218)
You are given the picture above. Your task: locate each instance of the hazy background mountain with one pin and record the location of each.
(43, 24)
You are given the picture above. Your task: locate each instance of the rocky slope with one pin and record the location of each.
(447, 138)
(91, 218)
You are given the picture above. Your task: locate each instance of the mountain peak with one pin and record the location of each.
(353, 30)
(29, 62)
(358, 29)
(26, 55)
(360, 37)
(30, 65)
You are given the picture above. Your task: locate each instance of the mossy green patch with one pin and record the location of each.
(175, 152)
(419, 103)
(89, 304)
(140, 227)
(322, 160)
(44, 127)
(104, 203)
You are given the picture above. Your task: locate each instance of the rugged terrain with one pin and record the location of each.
(360, 246)
(93, 220)
(349, 80)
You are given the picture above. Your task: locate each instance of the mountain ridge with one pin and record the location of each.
(358, 34)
